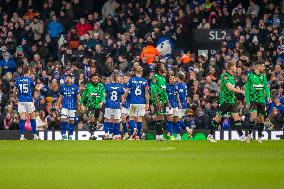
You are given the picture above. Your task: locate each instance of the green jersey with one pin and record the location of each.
(227, 96)
(158, 86)
(93, 95)
(256, 88)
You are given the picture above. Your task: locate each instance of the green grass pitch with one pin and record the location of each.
(141, 164)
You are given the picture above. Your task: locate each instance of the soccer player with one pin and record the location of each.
(93, 98)
(175, 105)
(114, 98)
(256, 93)
(159, 98)
(182, 91)
(227, 102)
(125, 108)
(68, 101)
(138, 93)
(25, 86)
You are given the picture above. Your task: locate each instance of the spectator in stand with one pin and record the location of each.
(55, 28)
(82, 27)
(7, 64)
(149, 52)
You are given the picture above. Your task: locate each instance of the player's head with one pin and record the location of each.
(95, 78)
(259, 65)
(115, 78)
(181, 76)
(68, 79)
(172, 79)
(160, 68)
(231, 66)
(125, 79)
(26, 71)
(138, 70)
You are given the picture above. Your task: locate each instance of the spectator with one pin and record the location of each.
(41, 123)
(7, 64)
(149, 52)
(82, 27)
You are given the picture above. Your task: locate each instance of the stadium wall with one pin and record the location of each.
(150, 135)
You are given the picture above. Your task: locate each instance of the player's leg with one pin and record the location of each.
(237, 124)
(169, 124)
(71, 121)
(116, 124)
(124, 126)
(176, 122)
(183, 125)
(260, 121)
(160, 122)
(252, 121)
(215, 122)
(64, 124)
(31, 111)
(22, 123)
(107, 118)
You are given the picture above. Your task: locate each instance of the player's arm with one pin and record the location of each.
(247, 89)
(102, 96)
(267, 90)
(78, 99)
(60, 101)
(178, 100)
(85, 92)
(234, 89)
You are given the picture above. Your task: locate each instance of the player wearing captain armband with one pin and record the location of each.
(114, 98)
(256, 93)
(138, 93)
(93, 98)
(159, 98)
(25, 87)
(173, 109)
(69, 100)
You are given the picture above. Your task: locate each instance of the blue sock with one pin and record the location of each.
(22, 126)
(182, 124)
(33, 124)
(132, 126)
(177, 127)
(170, 127)
(106, 127)
(71, 129)
(110, 126)
(139, 128)
(116, 129)
(124, 127)
(63, 128)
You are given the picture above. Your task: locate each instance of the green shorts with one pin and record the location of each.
(227, 108)
(259, 108)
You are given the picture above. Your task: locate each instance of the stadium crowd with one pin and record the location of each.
(112, 36)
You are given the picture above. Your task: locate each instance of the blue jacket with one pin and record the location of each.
(11, 64)
(55, 29)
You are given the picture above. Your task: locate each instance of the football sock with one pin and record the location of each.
(139, 128)
(213, 126)
(111, 125)
(182, 124)
(251, 126)
(33, 124)
(170, 127)
(22, 126)
(63, 128)
(124, 126)
(132, 126)
(116, 127)
(92, 128)
(159, 127)
(238, 126)
(71, 128)
(177, 127)
(260, 127)
(106, 127)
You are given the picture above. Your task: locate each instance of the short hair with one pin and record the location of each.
(230, 64)
(25, 70)
(181, 76)
(138, 69)
(69, 75)
(95, 75)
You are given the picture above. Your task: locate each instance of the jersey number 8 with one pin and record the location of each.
(113, 96)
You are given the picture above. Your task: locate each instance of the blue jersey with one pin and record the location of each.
(182, 92)
(137, 90)
(126, 103)
(25, 86)
(172, 91)
(114, 91)
(69, 93)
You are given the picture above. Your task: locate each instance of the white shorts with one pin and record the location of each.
(172, 111)
(137, 110)
(181, 112)
(112, 113)
(68, 113)
(26, 107)
(124, 111)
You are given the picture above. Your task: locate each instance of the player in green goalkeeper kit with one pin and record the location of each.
(256, 93)
(93, 98)
(159, 98)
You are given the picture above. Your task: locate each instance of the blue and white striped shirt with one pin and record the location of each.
(69, 93)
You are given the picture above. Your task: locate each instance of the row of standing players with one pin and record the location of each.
(133, 97)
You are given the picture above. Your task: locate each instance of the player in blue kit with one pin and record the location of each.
(114, 97)
(138, 93)
(182, 91)
(125, 109)
(25, 86)
(69, 100)
(175, 105)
